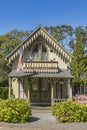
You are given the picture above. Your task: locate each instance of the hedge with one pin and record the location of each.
(14, 110)
(4, 92)
(70, 112)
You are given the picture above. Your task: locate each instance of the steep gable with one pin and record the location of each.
(40, 31)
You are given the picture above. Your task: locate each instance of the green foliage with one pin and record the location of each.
(4, 92)
(66, 35)
(14, 110)
(83, 32)
(78, 63)
(8, 42)
(63, 34)
(70, 112)
(3, 72)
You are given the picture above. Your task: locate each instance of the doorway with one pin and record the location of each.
(40, 92)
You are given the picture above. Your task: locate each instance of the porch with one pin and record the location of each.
(44, 91)
(41, 82)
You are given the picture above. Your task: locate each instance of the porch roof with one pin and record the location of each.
(61, 74)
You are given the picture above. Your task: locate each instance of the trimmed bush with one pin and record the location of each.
(70, 112)
(14, 110)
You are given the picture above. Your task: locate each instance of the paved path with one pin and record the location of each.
(43, 121)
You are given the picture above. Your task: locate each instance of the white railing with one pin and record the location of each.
(60, 100)
(40, 67)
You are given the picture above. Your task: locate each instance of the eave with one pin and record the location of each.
(39, 31)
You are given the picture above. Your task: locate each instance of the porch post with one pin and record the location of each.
(69, 89)
(52, 93)
(29, 92)
(40, 48)
(9, 96)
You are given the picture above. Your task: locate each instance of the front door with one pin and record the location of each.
(40, 91)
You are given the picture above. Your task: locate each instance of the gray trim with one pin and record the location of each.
(61, 74)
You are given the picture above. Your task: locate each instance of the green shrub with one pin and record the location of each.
(4, 92)
(70, 112)
(14, 110)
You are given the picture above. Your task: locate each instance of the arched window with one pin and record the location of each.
(44, 53)
(39, 52)
(35, 52)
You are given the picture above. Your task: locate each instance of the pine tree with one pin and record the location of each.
(78, 63)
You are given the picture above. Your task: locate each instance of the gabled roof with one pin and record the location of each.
(39, 31)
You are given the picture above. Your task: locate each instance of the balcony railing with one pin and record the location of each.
(40, 67)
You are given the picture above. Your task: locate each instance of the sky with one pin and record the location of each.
(28, 14)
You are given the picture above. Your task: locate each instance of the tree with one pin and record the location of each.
(64, 34)
(7, 43)
(83, 31)
(10, 40)
(78, 63)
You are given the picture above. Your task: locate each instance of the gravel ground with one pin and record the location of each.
(43, 121)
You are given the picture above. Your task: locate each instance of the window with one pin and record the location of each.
(83, 90)
(44, 53)
(35, 52)
(79, 89)
(45, 86)
(35, 86)
(35, 55)
(39, 52)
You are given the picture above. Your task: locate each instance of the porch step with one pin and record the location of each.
(40, 109)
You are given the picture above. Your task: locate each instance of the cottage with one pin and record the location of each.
(39, 69)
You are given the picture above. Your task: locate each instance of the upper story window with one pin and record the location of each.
(39, 52)
(44, 53)
(35, 52)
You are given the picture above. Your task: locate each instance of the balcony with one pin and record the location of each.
(40, 67)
